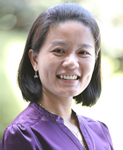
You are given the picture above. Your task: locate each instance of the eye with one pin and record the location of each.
(83, 53)
(58, 50)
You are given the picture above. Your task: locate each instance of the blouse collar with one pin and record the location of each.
(47, 114)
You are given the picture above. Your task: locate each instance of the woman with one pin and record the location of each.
(61, 61)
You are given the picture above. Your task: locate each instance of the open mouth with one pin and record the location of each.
(68, 77)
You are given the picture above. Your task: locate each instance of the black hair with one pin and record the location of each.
(32, 88)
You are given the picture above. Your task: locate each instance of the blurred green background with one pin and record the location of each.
(16, 18)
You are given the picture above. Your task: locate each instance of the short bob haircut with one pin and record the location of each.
(32, 88)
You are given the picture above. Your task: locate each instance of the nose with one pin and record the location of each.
(71, 61)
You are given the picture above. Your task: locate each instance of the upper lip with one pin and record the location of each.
(68, 74)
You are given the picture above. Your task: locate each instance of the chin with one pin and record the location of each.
(70, 94)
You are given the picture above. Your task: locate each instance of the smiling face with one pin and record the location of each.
(66, 60)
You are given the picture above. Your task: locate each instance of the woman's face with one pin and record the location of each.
(66, 60)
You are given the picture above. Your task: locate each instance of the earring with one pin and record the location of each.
(36, 75)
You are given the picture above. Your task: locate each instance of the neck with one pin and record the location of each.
(57, 105)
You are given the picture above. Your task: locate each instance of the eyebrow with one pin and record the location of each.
(65, 44)
(59, 42)
(85, 45)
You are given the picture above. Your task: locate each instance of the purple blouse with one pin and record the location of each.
(37, 129)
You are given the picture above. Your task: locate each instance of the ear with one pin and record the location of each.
(33, 59)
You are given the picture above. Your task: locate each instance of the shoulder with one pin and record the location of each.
(28, 116)
(94, 125)
(91, 122)
(19, 137)
(23, 123)
(19, 134)
(98, 128)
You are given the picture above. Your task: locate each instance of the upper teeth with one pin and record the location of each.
(68, 77)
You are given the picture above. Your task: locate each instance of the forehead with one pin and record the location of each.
(68, 25)
(69, 31)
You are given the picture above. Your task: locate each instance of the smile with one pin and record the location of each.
(68, 77)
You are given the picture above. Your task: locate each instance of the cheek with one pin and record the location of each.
(47, 68)
(87, 72)
(88, 67)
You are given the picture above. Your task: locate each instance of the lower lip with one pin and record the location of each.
(68, 81)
